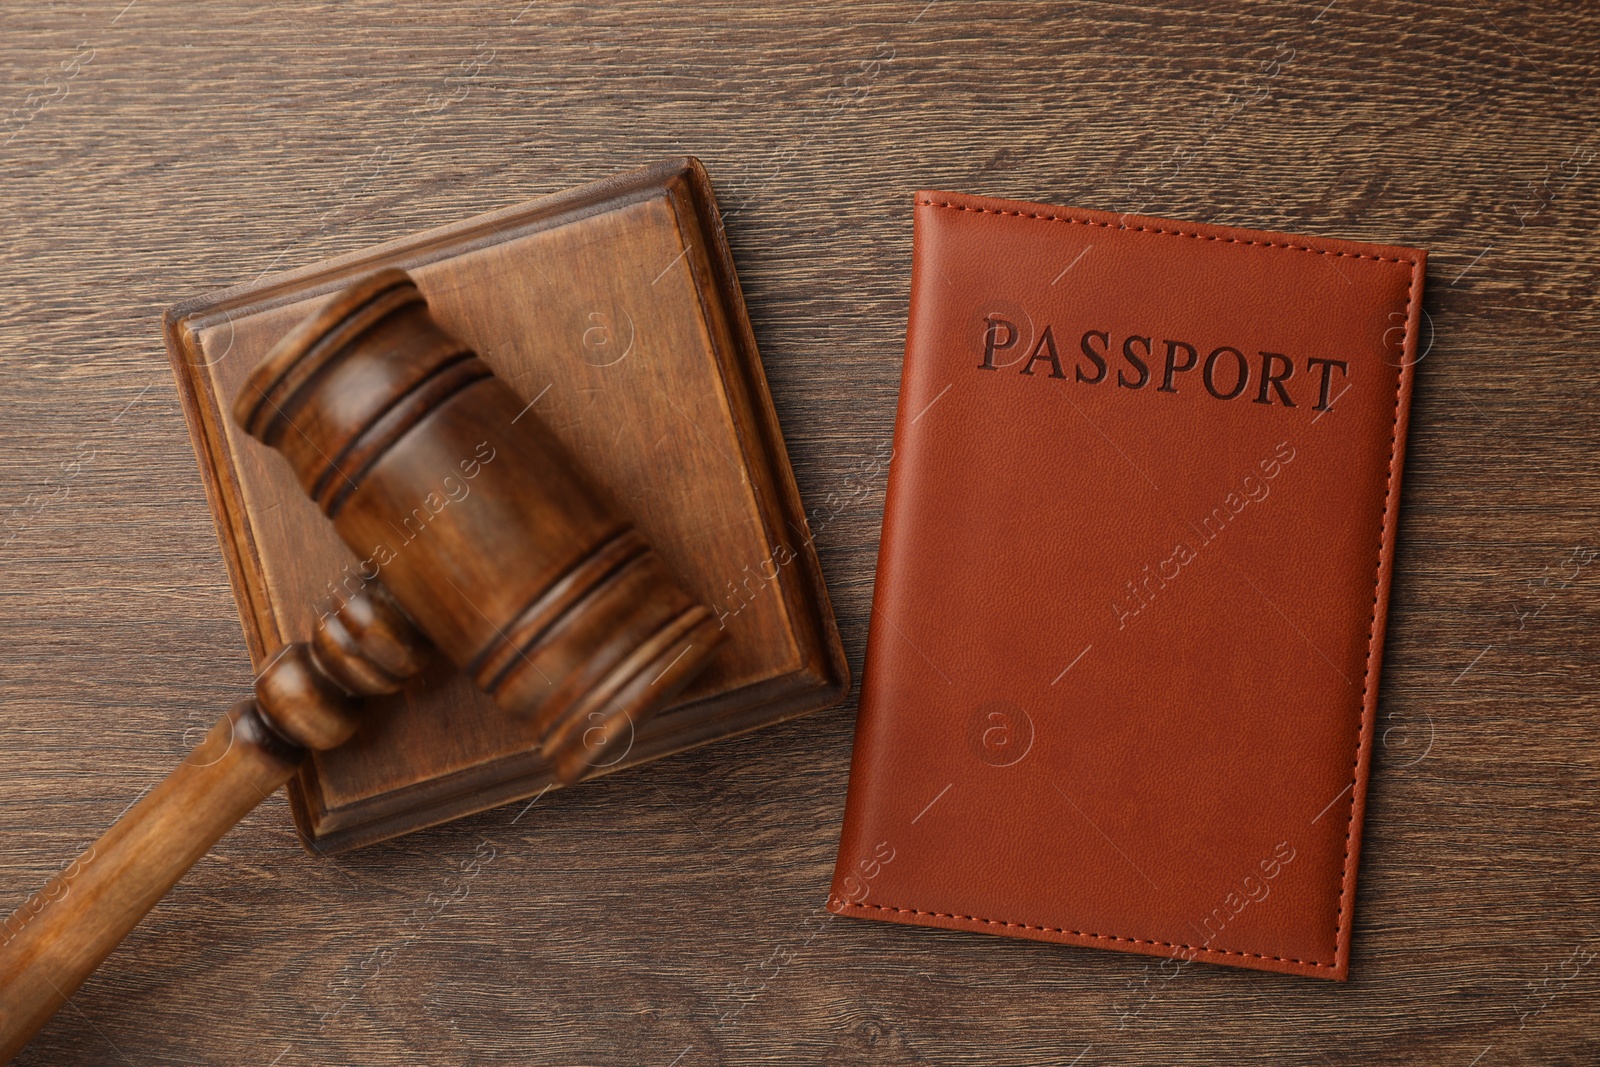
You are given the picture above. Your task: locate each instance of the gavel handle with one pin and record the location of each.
(309, 692)
(56, 940)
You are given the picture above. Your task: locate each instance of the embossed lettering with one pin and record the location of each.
(1270, 380)
(1209, 374)
(1046, 344)
(1174, 367)
(1097, 358)
(992, 344)
(1327, 366)
(1136, 362)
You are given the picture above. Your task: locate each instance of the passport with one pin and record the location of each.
(1128, 622)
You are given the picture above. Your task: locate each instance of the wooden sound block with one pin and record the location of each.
(615, 312)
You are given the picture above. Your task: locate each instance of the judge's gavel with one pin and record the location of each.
(476, 532)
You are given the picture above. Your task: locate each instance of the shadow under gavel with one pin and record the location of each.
(477, 534)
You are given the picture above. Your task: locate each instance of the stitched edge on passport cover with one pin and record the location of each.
(1384, 558)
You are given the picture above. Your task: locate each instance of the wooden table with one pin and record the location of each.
(158, 150)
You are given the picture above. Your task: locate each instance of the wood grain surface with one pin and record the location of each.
(153, 151)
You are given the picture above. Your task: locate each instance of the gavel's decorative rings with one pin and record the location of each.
(460, 501)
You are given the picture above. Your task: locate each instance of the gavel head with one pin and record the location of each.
(456, 497)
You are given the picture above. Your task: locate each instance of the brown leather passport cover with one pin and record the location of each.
(1123, 659)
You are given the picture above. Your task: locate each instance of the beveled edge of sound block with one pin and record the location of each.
(823, 681)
